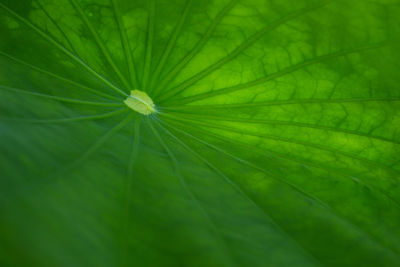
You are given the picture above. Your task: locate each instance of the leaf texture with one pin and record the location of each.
(276, 139)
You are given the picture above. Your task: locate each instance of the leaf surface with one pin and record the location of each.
(274, 142)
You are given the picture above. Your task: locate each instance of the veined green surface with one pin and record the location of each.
(276, 141)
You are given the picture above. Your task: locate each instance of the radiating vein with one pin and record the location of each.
(370, 236)
(101, 141)
(126, 45)
(286, 123)
(290, 141)
(249, 42)
(171, 44)
(65, 120)
(169, 106)
(57, 26)
(245, 196)
(272, 76)
(286, 157)
(188, 190)
(149, 45)
(37, 184)
(51, 74)
(100, 43)
(128, 189)
(205, 37)
(63, 49)
(253, 166)
(61, 99)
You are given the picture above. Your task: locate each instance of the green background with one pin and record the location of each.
(276, 141)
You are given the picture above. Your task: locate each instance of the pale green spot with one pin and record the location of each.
(139, 101)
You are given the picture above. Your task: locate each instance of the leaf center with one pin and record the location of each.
(139, 101)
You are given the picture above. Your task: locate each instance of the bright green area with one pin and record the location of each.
(276, 140)
(139, 101)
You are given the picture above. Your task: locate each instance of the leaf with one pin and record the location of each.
(275, 140)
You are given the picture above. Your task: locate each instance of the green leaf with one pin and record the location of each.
(274, 140)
